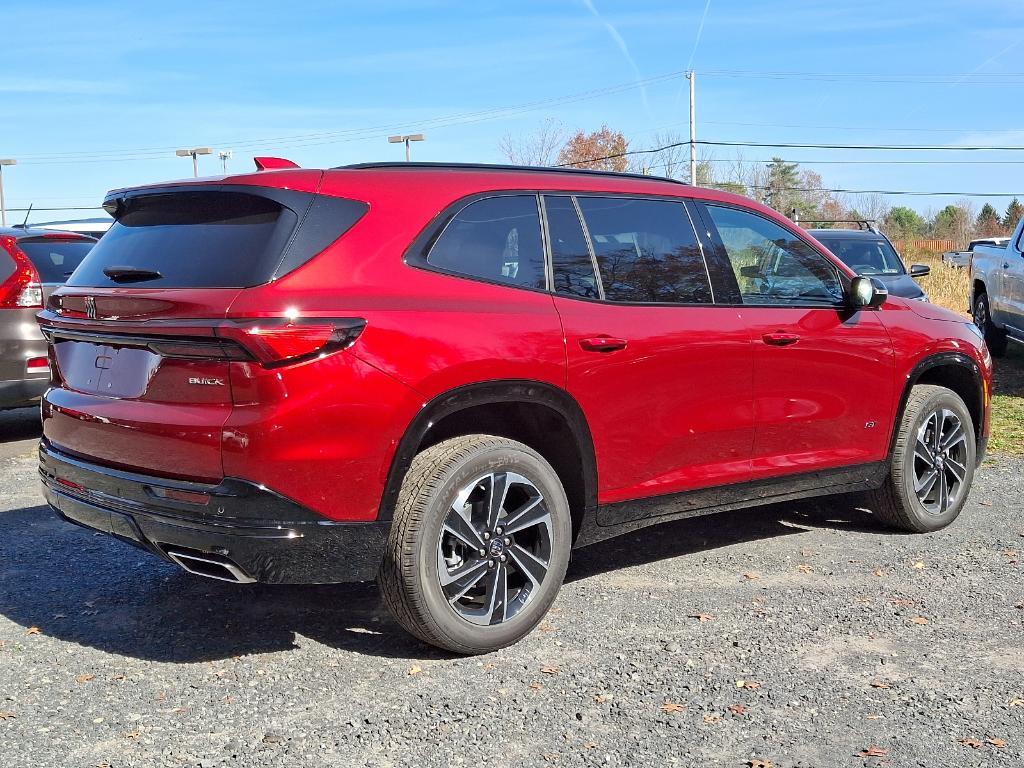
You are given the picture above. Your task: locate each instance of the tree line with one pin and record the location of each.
(794, 191)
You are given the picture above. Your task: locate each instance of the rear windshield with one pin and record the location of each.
(208, 239)
(55, 260)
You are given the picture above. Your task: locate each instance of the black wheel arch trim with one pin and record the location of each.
(941, 360)
(483, 393)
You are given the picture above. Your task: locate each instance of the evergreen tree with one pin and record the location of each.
(1014, 211)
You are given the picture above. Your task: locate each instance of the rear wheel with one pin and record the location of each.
(995, 337)
(479, 544)
(932, 463)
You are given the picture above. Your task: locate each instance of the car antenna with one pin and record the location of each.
(24, 224)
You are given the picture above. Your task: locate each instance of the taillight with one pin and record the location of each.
(282, 341)
(22, 290)
(37, 365)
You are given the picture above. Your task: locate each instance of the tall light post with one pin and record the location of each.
(405, 140)
(225, 155)
(3, 203)
(194, 153)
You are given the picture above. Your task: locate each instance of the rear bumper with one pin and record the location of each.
(267, 537)
(14, 394)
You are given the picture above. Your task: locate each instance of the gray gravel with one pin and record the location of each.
(823, 636)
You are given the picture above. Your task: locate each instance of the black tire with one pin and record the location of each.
(995, 337)
(897, 503)
(410, 576)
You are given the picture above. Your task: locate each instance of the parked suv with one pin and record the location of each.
(33, 262)
(446, 377)
(868, 252)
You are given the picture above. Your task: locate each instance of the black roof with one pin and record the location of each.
(499, 167)
(861, 234)
(20, 233)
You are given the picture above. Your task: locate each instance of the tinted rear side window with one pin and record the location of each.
(55, 260)
(495, 239)
(194, 240)
(646, 250)
(571, 265)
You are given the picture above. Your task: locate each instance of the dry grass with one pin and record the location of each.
(949, 287)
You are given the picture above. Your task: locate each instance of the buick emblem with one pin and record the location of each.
(206, 382)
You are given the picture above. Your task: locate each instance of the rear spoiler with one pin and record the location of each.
(273, 163)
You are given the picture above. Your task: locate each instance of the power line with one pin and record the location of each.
(885, 147)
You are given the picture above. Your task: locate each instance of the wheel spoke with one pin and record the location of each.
(935, 422)
(459, 527)
(497, 595)
(496, 498)
(532, 513)
(943, 500)
(458, 582)
(531, 567)
(924, 484)
(953, 437)
(923, 452)
(958, 469)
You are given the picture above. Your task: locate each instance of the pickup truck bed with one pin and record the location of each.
(997, 291)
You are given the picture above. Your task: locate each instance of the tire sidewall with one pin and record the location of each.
(447, 623)
(925, 520)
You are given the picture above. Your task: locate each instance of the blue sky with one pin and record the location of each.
(97, 95)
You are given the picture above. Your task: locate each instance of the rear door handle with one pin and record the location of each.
(780, 339)
(602, 344)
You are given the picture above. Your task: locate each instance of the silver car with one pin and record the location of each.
(33, 263)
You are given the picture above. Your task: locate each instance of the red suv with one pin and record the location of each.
(447, 377)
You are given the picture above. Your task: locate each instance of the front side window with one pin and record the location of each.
(571, 264)
(646, 250)
(772, 265)
(495, 239)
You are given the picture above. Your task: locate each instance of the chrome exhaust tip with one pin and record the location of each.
(208, 565)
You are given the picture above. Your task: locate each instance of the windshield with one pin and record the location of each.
(864, 256)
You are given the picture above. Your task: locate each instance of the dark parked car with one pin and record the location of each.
(448, 377)
(870, 253)
(33, 262)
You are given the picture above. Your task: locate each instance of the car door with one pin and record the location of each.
(1012, 286)
(823, 374)
(662, 374)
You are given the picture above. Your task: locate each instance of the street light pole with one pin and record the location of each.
(3, 203)
(692, 77)
(194, 154)
(405, 140)
(224, 156)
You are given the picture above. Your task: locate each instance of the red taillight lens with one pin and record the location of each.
(277, 341)
(37, 365)
(22, 290)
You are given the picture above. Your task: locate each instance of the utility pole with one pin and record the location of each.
(3, 203)
(225, 155)
(405, 140)
(692, 77)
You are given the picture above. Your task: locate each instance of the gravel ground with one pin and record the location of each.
(800, 635)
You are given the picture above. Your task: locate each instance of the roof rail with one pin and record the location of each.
(501, 167)
(868, 224)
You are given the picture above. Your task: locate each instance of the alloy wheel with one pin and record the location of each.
(940, 461)
(494, 548)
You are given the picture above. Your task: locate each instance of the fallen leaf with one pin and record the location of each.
(862, 600)
(671, 706)
(878, 572)
(602, 698)
(756, 762)
(918, 565)
(133, 734)
(489, 666)
(738, 709)
(872, 717)
(985, 503)
(996, 742)
(545, 627)
(902, 602)
(805, 568)
(32, 631)
(551, 757)
(701, 617)
(590, 745)
(550, 670)
(84, 678)
(415, 669)
(179, 710)
(751, 576)
(805, 552)
(879, 684)
(536, 686)
(972, 743)
(1014, 703)
(873, 751)
(711, 718)
(7, 715)
(919, 620)
(749, 684)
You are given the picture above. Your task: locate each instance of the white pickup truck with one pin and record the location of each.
(997, 291)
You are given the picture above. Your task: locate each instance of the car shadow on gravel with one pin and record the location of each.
(20, 424)
(91, 590)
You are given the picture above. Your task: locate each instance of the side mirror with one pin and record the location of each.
(867, 293)
(920, 270)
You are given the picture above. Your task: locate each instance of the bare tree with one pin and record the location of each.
(539, 148)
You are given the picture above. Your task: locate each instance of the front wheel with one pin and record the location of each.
(478, 546)
(932, 464)
(995, 337)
